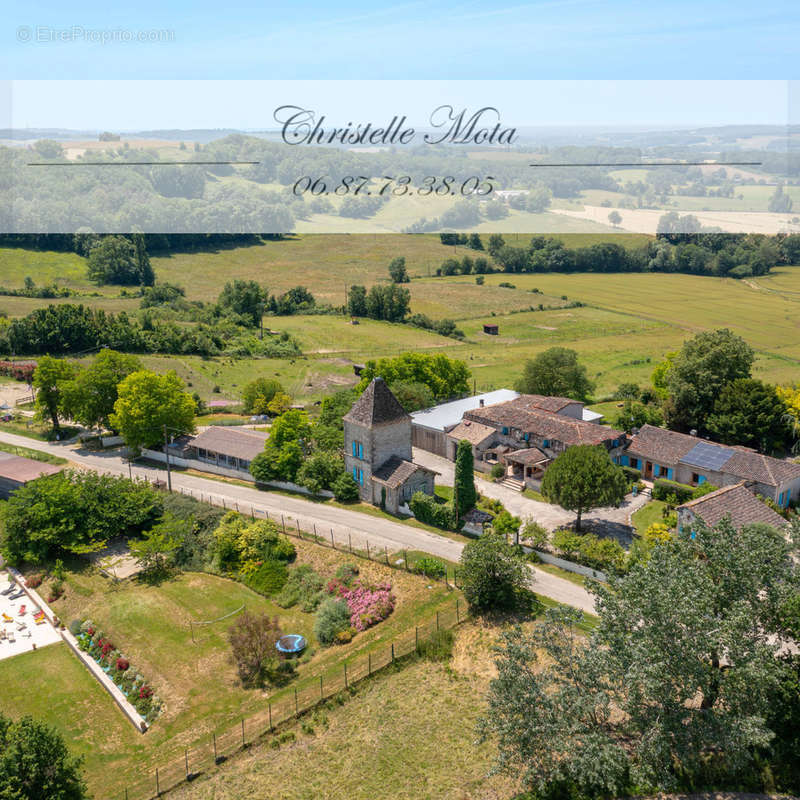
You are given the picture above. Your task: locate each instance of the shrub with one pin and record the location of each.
(75, 627)
(367, 605)
(439, 647)
(498, 471)
(426, 509)
(632, 474)
(34, 582)
(492, 573)
(345, 489)
(122, 664)
(535, 533)
(304, 587)
(333, 616)
(253, 638)
(346, 573)
(662, 488)
(430, 567)
(590, 550)
(268, 578)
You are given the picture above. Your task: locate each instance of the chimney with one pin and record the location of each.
(481, 402)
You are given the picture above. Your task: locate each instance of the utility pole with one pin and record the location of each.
(166, 456)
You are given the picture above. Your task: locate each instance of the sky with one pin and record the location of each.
(447, 42)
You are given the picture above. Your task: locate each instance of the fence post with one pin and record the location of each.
(333, 544)
(405, 558)
(283, 524)
(345, 674)
(349, 541)
(458, 620)
(369, 663)
(392, 652)
(386, 555)
(296, 705)
(315, 529)
(158, 788)
(243, 742)
(368, 555)
(437, 621)
(321, 694)
(186, 758)
(270, 716)
(215, 747)
(416, 638)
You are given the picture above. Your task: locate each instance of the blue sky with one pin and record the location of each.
(428, 40)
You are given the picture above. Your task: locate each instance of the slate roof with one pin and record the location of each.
(22, 470)
(736, 501)
(395, 471)
(522, 415)
(473, 432)
(377, 405)
(243, 443)
(670, 447)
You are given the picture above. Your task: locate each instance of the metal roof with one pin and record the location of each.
(707, 456)
(447, 415)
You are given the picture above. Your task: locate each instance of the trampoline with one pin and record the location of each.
(292, 644)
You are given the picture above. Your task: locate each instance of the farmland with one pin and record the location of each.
(627, 323)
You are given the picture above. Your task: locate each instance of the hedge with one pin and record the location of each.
(426, 509)
(632, 474)
(662, 488)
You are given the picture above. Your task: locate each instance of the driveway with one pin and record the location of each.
(609, 521)
(344, 525)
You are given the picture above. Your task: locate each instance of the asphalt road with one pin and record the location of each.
(345, 526)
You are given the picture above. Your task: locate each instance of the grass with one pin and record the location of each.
(532, 494)
(36, 455)
(196, 680)
(37, 430)
(647, 515)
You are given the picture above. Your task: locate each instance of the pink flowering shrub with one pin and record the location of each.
(368, 605)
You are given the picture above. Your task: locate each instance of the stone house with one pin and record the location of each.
(736, 502)
(377, 450)
(526, 434)
(680, 457)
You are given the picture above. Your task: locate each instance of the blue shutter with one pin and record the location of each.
(656, 470)
(780, 499)
(360, 450)
(624, 461)
(505, 431)
(361, 476)
(355, 450)
(545, 443)
(701, 479)
(355, 473)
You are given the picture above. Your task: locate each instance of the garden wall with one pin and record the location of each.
(571, 566)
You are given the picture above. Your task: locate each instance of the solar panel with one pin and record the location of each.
(707, 456)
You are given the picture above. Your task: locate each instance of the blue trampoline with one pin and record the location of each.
(292, 644)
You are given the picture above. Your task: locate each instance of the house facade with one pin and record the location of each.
(680, 457)
(736, 502)
(378, 450)
(527, 433)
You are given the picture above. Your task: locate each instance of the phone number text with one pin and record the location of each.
(387, 185)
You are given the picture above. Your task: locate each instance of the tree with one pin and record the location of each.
(779, 203)
(791, 398)
(320, 471)
(35, 763)
(474, 241)
(444, 376)
(556, 372)
(496, 244)
(48, 148)
(147, 403)
(261, 390)
(615, 218)
(583, 477)
(397, 270)
(49, 378)
(390, 302)
(146, 275)
(703, 366)
(245, 298)
(280, 404)
(357, 301)
(634, 415)
(492, 573)
(749, 412)
(507, 525)
(89, 397)
(657, 695)
(282, 457)
(153, 551)
(253, 638)
(113, 260)
(464, 494)
(413, 395)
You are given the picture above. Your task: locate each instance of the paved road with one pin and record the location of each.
(344, 525)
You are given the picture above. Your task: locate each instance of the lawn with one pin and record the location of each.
(647, 515)
(35, 455)
(197, 680)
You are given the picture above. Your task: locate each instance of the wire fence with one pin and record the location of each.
(278, 714)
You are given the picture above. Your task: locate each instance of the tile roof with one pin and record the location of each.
(663, 446)
(473, 432)
(530, 455)
(376, 405)
(396, 471)
(735, 501)
(520, 414)
(22, 470)
(243, 443)
(545, 403)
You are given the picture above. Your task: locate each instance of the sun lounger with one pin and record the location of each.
(17, 595)
(26, 633)
(41, 620)
(21, 626)
(6, 618)
(21, 611)
(38, 615)
(11, 637)
(10, 588)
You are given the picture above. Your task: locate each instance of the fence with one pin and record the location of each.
(286, 707)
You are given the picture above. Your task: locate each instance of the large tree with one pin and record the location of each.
(89, 398)
(703, 367)
(113, 260)
(582, 478)
(464, 494)
(492, 573)
(675, 686)
(245, 298)
(397, 270)
(35, 763)
(49, 378)
(750, 412)
(147, 403)
(444, 376)
(556, 372)
(257, 394)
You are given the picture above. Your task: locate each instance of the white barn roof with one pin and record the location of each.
(447, 415)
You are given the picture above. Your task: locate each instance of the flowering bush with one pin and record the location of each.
(368, 605)
(34, 582)
(122, 664)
